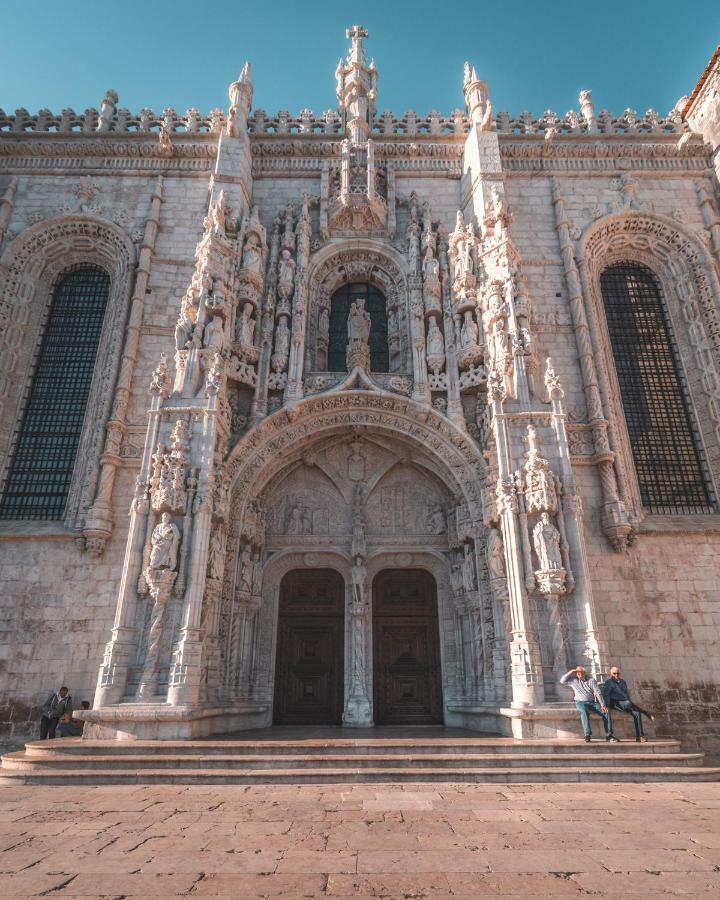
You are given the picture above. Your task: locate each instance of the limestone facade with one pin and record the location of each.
(220, 451)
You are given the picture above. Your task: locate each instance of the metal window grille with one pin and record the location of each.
(337, 338)
(670, 470)
(47, 439)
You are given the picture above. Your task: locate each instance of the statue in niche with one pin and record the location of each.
(282, 338)
(359, 547)
(435, 520)
(246, 569)
(286, 274)
(498, 346)
(183, 332)
(307, 527)
(457, 582)
(216, 554)
(197, 335)
(252, 255)
(324, 322)
(495, 554)
(214, 334)
(358, 328)
(435, 343)
(469, 332)
(546, 540)
(430, 264)
(469, 581)
(358, 578)
(356, 462)
(294, 524)
(164, 544)
(358, 324)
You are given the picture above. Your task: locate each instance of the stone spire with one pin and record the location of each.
(357, 87)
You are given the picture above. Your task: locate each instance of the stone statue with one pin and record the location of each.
(430, 264)
(214, 334)
(358, 577)
(456, 575)
(495, 554)
(468, 564)
(358, 327)
(216, 555)
(252, 255)
(435, 343)
(257, 575)
(282, 338)
(286, 275)
(359, 548)
(246, 327)
(324, 322)
(164, 544)
(546, 540)
(294, 524)
(498, 345)
(469, 332)
(183, 332)
(358, 324)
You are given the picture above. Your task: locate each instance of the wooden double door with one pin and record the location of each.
(310, 648)
(407, 685)
(309, 666)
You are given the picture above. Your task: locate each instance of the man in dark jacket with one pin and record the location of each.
(617, 696)
(58, 703)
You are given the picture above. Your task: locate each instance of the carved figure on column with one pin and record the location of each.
(214, 336)
(282, 346)
(469, 333)
(435, 347)
(540, 491)
(246, 569)
(286, 275)
(252, 255)
(216, 554)
(183, 332)
(469, 578)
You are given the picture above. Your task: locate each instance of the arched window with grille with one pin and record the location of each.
(671, 472)
(338, 336)
(46, 441)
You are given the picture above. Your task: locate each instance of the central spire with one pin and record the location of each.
(357, 87)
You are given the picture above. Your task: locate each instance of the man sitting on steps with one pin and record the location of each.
(617, 696)
(588, 698)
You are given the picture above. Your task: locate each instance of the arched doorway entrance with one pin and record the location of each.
(406, 648)
(310, 648)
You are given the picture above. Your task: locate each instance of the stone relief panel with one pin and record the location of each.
(407, 501)
(307, 503)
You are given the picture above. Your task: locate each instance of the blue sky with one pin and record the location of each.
(183, 53)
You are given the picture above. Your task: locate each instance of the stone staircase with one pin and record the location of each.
(291, 758)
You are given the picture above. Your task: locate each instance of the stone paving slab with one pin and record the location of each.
(410, 841)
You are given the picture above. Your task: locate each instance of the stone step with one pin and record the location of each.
(400, 747)
(350, 775)
(611, 757)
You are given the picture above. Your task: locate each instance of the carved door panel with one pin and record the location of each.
(310, 645)
(406, 649)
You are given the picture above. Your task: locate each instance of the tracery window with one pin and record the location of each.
(47, 438)
(338, 335)
(670, 470)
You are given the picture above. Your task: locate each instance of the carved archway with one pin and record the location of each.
(32, 263)
(367, 260)
(691, 293)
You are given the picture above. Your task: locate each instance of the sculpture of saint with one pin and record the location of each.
(183, 332)
(257, 575)
(164, 544)
(286, 274)
(430, 264)
(246, 569)
(214, 334)
(469, 569)
(358, 324)
(495, 554)
(216, 555)
(252, 255)
(469, 332)
(294, 523)
(324, 322)
(435, 343)
(282, 338)
(546, 540)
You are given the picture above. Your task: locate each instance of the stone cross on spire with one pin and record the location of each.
(357, 87)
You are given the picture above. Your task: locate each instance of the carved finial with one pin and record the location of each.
(552, 382)
(240, 93)
(356, 87)
(160, 381)
(587, 108)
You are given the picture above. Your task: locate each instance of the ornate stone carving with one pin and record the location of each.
(358, 329)
(539, 481)
(167, 486)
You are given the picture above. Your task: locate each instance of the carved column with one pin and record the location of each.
(584, 642)
(615, 523)
(526, 670)
(709, 214)
(98, 523)
(294, 390)
(121, 649)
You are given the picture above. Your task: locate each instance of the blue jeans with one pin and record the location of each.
(588, 706)
(628, 707)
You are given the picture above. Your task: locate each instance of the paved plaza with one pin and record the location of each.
(451, 840)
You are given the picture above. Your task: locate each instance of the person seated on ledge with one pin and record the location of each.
(70, 727)
(588, 698)
(617, 696)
